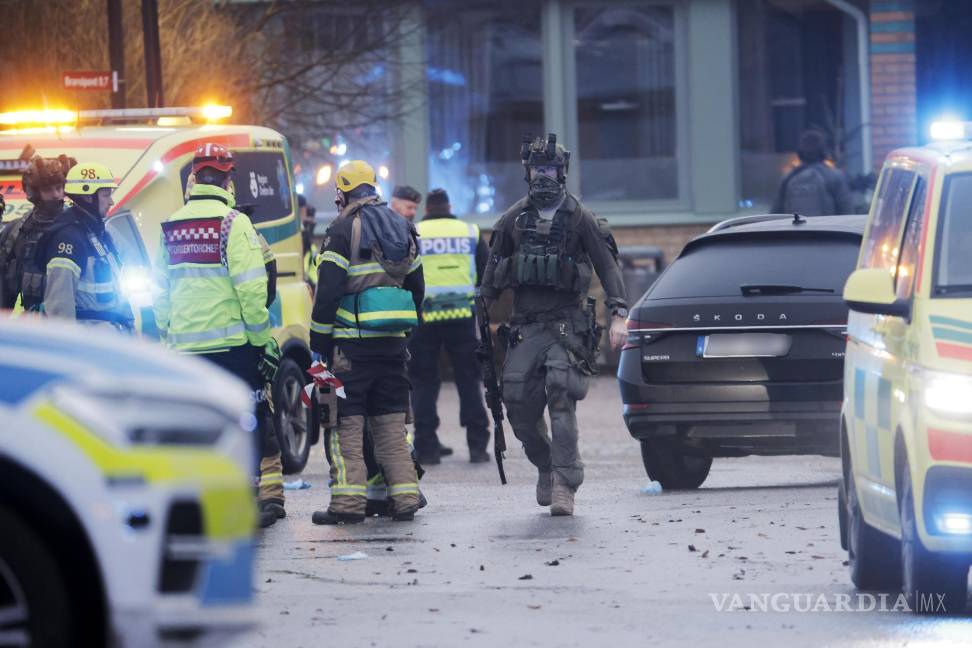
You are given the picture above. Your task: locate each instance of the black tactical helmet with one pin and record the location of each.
(536, 152)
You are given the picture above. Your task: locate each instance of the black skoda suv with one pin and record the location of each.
(738, 347)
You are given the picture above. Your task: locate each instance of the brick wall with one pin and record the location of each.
(893, 109)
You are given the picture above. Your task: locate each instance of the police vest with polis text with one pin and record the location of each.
(448, 248)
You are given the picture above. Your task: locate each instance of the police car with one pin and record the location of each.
(150, 151)
(126, 510)
(906, 422)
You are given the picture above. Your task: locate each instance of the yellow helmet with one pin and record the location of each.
(354, 174)
(86, 178)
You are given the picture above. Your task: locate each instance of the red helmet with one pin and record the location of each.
(213, 156)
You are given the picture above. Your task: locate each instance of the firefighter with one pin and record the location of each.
(213, 296)
(544, 249)
(369, 294)
(453, 259)
(43, 182)
(78, 258)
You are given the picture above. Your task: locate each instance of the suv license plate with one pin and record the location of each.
(743, 345)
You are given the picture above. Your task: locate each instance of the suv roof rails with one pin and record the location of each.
(748, 220)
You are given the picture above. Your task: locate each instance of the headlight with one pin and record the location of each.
(136, 285)
(955, 523)
(948, 394)
(125, 419)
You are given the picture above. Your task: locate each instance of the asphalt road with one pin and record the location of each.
(483, 565)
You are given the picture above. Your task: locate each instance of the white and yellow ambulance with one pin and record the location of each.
(906, 437)
(150, 152)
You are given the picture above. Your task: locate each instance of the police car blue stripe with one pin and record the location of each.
(860, 388)
(18, 383)
(884, 404)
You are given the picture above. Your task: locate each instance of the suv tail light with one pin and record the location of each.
(635, 334)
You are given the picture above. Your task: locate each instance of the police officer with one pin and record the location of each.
(43, 182)
(544, 249)
(453, 259)
(213, 295)
(405, 201)
(78, 258)
(370, 290)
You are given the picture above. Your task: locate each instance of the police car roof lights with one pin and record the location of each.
(945, 130)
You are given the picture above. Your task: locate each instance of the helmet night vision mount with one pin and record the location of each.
(536, 152)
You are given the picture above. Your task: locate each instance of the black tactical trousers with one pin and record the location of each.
(459, 338)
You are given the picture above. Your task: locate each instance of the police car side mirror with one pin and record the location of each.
(871, 291)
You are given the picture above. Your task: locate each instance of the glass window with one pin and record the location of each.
(953, 263)
(890, 207)
(626, 112)
(485, 90)
(904, 281)
(790, 75)
(713, 269)
(262, 184)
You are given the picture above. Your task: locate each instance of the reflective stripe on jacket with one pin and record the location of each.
(212, 284)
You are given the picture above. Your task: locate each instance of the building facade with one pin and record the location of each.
(678, 113)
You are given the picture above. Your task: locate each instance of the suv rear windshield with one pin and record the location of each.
(719, 266)
(953, 263)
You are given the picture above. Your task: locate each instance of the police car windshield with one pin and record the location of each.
(953, 265)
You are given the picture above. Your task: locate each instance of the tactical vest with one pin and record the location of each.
(375, 304)
(449, 262)
(541, 257)
(21, 244)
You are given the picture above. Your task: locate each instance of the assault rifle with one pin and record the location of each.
(494, 397)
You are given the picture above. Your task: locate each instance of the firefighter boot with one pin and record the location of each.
(562, 497)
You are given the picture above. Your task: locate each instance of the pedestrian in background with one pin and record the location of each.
(454, 258)
(815, 187)
(405, 201)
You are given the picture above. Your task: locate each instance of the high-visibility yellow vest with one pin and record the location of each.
(212, 282)
(448, 248)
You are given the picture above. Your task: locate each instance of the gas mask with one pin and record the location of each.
(545, 192)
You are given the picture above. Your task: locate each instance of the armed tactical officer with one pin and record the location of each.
(213, 297)
(369, 293)
(43, 182)
(544, 248)
(78, 258)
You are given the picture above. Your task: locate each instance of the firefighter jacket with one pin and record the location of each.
(369, 259)
(81, 268)
(211, 277)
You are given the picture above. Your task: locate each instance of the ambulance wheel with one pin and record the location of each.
(672, 468)
(872, 555)
(35, 607)
(292, 421)
(932, 584)
(842, 514)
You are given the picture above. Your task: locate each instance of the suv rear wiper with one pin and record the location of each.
(778, 289)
